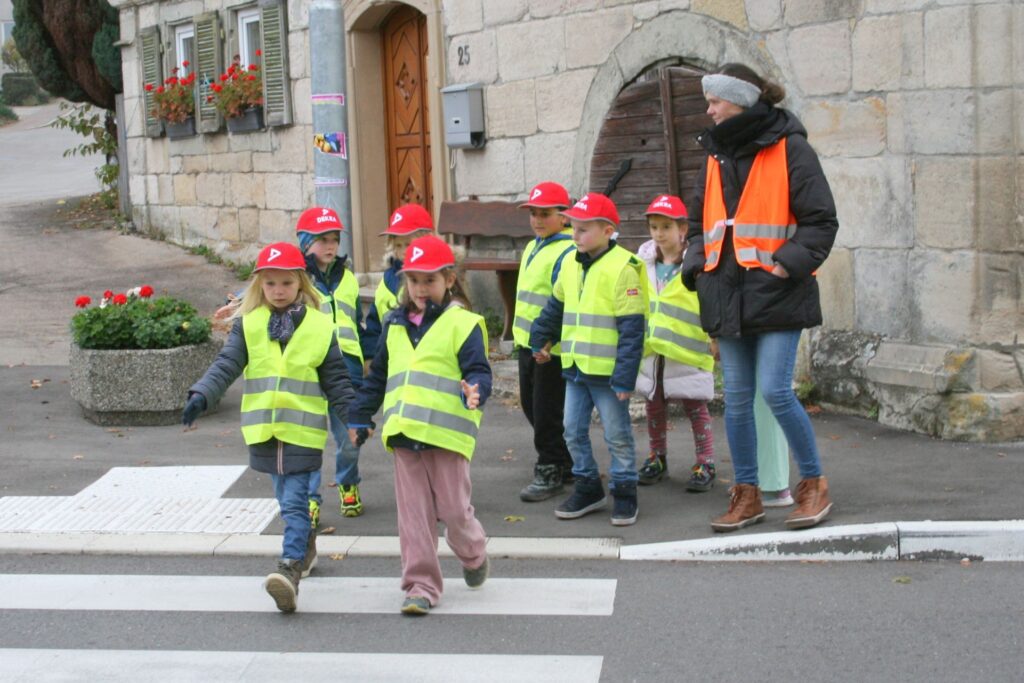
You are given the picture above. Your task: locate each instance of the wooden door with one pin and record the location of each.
(650, 130)
(405, 108)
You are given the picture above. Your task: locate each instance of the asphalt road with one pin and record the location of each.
(937, 621)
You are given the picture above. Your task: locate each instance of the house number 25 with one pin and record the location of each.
(463, 55)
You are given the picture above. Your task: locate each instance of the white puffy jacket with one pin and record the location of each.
(681, 381)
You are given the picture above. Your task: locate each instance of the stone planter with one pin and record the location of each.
(185, 129)
(137, 387)
(251, 120)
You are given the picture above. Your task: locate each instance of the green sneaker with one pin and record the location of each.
(351, 503)
(475, 577)
(314, 514)
(416, 606)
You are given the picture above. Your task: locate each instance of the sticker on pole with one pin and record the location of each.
(332, 144)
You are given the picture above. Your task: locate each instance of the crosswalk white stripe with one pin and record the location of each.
(353, 595)
(186, 666)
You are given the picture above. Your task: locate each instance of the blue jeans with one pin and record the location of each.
(346, 461)
(290, 491)
(580, 400)
(764, 361)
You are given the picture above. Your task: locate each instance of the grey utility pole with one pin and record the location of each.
(330, 112)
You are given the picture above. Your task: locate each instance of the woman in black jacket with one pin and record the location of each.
(762, 221)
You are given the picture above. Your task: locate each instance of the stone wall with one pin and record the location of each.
(230, 192)
(916, 109)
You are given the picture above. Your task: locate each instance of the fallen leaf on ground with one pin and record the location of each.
(337, 556)
(834, 437)
(326, 531)
(901, 579)
(514, 518)
(812, 409)
(78, 456)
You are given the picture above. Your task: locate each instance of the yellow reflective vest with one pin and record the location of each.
(423, 399)
(673, 328)
(282, 396)
(384, 299)
(534, 285)
(341, 307)
(590, 333)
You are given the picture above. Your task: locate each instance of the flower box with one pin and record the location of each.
(250, 120)
(135, 387)
(184, 129)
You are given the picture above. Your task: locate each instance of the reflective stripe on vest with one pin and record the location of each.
(341, 306)
(763, 220)
(590, 336)
(534, 286)
(281, 395)
(674, 330)
(423, 398)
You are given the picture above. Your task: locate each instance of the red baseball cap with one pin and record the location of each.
(281, 256)
(409, 218)
(547, 195)
(594, 206)
(318, 220)
(668, 206)
(427, 254)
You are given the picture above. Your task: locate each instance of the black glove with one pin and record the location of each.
(363, 433)
(196, 404)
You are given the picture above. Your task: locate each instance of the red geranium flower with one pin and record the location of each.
(259, 53)
(120, 299)
(223, 77)
(185, 63)
(107, 294)
(149, 87)
(160, 90)
(253, 67)
(82, 301)
(145, 291)
(250, 78)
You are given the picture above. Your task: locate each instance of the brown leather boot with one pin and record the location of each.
(744, 509)
(812, 503)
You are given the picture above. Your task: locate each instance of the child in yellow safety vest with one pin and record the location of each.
(294, 377)
(678, 362)
(597, 313)
(408, 222)
(318, 231)
(432, 377)
(541, 385)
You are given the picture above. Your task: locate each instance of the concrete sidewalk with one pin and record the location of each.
(878, 476)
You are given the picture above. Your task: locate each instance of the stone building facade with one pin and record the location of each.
(916, 108)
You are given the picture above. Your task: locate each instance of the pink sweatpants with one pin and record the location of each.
(432, 485)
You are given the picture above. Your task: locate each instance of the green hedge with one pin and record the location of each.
(21, 89)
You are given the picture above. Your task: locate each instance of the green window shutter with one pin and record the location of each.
(277, 96)
(152, 72)
(208, 67)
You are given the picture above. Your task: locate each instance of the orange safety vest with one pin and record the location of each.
(763, 220)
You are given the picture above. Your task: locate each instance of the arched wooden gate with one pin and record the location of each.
(646, 145)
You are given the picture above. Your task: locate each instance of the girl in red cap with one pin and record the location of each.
(294, 376)
(432, 377)
(408, 222)
(678, 360)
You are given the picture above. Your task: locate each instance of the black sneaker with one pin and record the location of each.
(652, 471)
(624, 509)
(702, 478)
(587, 496)
(547, 483)
(475, 577)
(283, 585)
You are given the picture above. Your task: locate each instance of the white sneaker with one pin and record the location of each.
(777, 499)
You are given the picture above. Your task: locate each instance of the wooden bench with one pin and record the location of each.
(469, 219)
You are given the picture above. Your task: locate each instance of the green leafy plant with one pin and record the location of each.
(238, 89)
(11, 58)
(134, 320)
(100, 132)
(7, 114)
(241, 270)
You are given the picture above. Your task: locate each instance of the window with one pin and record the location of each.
(8, 31)
(184, 48)
(249, 35)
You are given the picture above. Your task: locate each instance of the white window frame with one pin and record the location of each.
(181, 34)
(246, 52)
